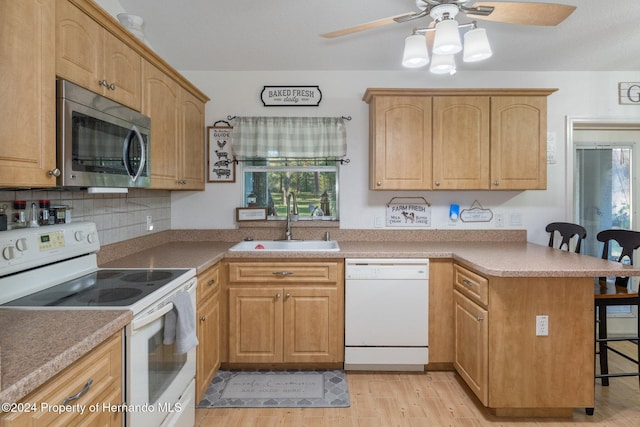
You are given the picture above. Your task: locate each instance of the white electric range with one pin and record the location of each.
(55, 268)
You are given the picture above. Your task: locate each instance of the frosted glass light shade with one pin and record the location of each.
(447, 40)
(476, 46)
(443, 64)
(415, 51)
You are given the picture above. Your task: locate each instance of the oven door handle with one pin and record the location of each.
(152, 317)
(155, 315)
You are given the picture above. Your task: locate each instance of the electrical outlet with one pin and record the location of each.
(378, 221)
(542, 326)
(149, 223)
(499, 220)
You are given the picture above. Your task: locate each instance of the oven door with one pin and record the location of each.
(157, 378)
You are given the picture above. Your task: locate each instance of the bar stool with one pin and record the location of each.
(567, 231)
(615, 292)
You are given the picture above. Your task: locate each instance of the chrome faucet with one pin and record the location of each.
(291, 195)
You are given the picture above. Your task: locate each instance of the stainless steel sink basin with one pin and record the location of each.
(286, 245)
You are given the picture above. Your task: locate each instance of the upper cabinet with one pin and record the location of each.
(463, 139)
(90, 56)
(27, 110)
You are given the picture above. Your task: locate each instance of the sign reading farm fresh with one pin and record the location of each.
(291, 96)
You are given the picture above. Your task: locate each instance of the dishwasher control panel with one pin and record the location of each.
(386, 268)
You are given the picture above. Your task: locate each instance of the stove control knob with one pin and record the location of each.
(79, 235)
(21, 244)
(91, 238)
(8, 253)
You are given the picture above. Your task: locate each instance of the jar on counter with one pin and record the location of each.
(43, 214)
(20, 213)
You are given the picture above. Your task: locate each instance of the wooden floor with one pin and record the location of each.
(430, 399)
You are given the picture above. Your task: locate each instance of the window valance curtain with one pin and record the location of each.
(293, 137)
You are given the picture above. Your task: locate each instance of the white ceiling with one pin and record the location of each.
(241, 35)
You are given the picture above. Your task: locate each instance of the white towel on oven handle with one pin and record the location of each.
(180, 324)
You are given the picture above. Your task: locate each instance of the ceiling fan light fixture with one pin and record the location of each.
(476, 45)
(447, 39)
(443, 64)
(415, 51)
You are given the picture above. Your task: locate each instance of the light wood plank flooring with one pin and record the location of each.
(430, 399)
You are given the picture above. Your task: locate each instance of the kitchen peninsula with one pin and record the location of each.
(518, 374)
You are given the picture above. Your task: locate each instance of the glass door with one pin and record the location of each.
(604, 197)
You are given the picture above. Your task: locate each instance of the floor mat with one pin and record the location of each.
(277, 389)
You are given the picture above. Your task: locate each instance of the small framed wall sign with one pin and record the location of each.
(251, 214)
(220, 165)
(291, 96)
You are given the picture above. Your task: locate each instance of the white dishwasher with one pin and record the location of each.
(386, 314)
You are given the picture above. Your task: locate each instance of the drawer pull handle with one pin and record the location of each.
(211, 282)
(282, 273)
(479, 318)
(467, 283)
(81, 393)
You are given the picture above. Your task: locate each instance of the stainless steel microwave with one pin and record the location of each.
(100, 143)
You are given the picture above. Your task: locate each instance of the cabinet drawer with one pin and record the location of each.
(102, 365)
(257, 272)
(472, 285)
(208, 283)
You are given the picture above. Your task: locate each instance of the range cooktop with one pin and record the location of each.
(101, 288)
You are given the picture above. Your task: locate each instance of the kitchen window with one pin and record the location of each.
(266, 183)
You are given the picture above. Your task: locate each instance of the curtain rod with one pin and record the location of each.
(347, 118)
(341, 161)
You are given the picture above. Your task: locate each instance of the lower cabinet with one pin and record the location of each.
(207, 329)
(96, 379)
(286, 312)
(512, 370)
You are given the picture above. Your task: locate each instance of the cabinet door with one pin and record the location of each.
(441, 330)
(160, 102)
(255, 325)
(471, 345)
(461, 142)
(208, 352)
(122, 68)
(192, 139)
(519, 142)
(310, 319)
(79, 47)
(400, 136)
(27, 110)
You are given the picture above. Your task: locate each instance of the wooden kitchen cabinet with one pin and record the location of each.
(207, 328)
(286, 313)
(497, 353)
(441, 333)
(177, 129)
(27, 110)
(92, 57)
(103, 366)
(400, 143)
(472, 139)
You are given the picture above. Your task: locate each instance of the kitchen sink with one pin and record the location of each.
(286, 245)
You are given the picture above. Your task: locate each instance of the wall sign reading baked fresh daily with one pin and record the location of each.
(291, 96)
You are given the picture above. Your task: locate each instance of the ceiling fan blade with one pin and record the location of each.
(546, 14)
(367, 26)
(411, 16)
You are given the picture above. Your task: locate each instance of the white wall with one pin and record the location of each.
(580, 94)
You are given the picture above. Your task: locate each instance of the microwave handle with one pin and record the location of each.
(125, 149)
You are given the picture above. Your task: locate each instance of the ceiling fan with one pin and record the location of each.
(513, 12)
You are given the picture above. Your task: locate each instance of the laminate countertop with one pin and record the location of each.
(35, 345)
(519, 259)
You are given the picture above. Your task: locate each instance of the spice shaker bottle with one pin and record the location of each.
(19, 213)
(44, 211)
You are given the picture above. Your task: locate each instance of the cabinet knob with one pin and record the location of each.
(496, 182)
(379, 183)
(103, 83)
(278, 296)
(55, 172)
(437, 183)
(479, 318)
(287, 295)
(203, 318)
(211, 282)
(466, 283)
(112, 86)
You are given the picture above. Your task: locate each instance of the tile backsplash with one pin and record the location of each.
(118, 217)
